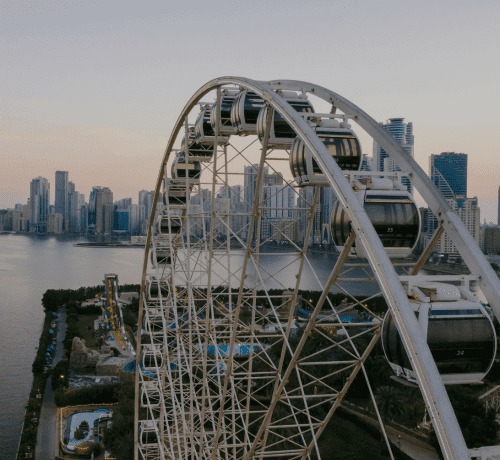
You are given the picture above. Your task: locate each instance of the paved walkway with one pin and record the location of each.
(47, 441)
(410, 445)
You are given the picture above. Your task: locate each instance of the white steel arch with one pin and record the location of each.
(209, 442)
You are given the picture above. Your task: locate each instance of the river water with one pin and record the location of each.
(29, 265)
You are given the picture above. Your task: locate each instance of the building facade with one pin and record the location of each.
(61, 203)
(498, 221)
(448, 171)
(492, 240)
(403, 133)
(103, 213)
(55, 223)
(39, 200)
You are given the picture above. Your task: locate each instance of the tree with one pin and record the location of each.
(390, 403)
(119, 438)
(478, 425)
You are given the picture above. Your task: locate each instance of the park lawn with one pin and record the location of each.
(84, 321)
(343, 440)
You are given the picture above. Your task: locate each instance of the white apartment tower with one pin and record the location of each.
(403, 133)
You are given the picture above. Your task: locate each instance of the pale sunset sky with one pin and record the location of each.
(95, 87)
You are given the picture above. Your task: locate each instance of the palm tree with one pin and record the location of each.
(390, 403)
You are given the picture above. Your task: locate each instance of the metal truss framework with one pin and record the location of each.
(216, 381)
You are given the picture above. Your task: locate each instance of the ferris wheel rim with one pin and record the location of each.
(378, 260)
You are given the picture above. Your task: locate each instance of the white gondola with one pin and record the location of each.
(282, 134)
(197, 151)
(148, 436)
(394, 215)
(169, 225)
(161, 258)
(245, 112)
(340, 141)
(186, 173)
(150, 393)
(204, 133)
(151, 357)
(175, 193)
(227, 100)
(155, 325)
(156, 289)
(459, 332)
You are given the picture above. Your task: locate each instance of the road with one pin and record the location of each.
(412, 446)
(47, 442)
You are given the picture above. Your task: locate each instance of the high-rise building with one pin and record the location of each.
(124, 203)
(76, 201)
(108, 212)
(233, 193)
(403, 133)
(134, 218)
(54, 223)
(498, 221)
(103, 216)
(91, 209)
(448, 171)
(39, 199)
(304, 203)
(277, 203)
(121, 221)
(146, 200)
(492, 240)
(27, 215)
(469, 213)
(84, 218)
(62, 195)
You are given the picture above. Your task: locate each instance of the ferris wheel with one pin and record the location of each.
(234, 361)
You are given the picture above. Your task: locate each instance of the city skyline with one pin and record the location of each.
(103, 108)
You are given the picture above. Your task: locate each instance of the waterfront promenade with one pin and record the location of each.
(47, 442)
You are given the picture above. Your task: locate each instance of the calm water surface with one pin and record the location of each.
(29, 265)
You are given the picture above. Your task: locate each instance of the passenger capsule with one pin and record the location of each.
(245, 112)
(197, 151)
(227, 99)
(393, 214)
(156, 289)
(148, 434)
(150, 394)
(459, 332)
(154, 326)
(180, 170)
(175, 193)
(282, 134)
(169, 225)
(204, 133)
(340, 141)
(151, 358)
(161, 258)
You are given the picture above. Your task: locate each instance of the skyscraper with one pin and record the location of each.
(498, 222)
(39, 199)
(103, 213)
(76, 201)
(61, 198)
(403, 133)
(91, 210)
(448, 171)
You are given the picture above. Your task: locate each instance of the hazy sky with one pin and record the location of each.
(94, 87)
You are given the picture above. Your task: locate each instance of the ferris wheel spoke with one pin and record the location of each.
(235, 362)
